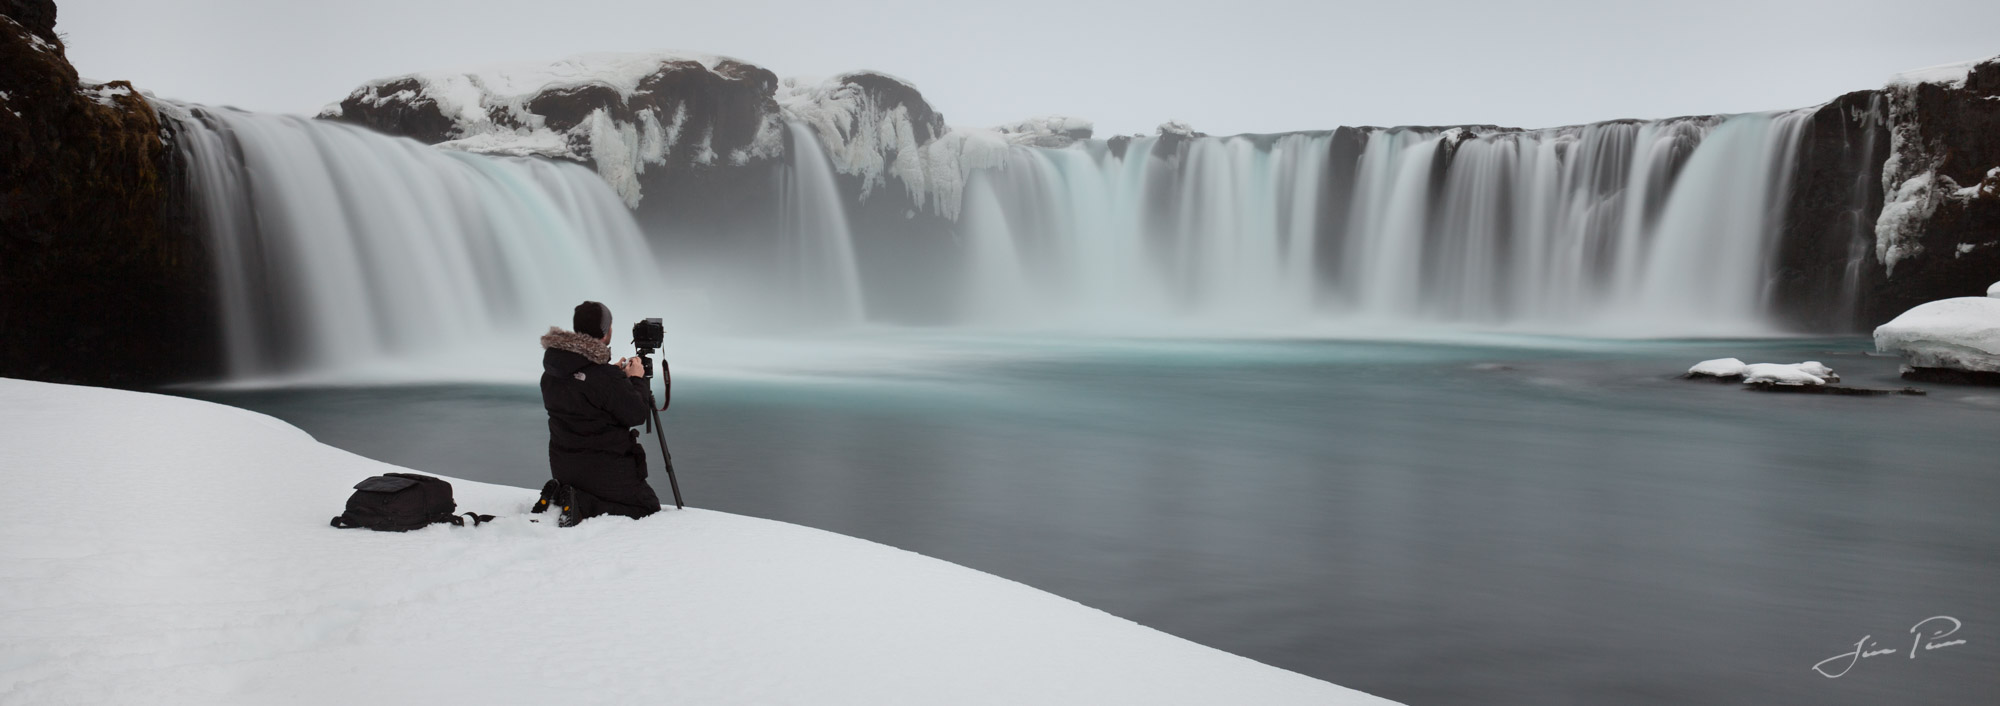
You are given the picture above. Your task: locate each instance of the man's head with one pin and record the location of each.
(593, 319)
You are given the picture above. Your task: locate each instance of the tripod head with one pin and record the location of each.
(647, 336)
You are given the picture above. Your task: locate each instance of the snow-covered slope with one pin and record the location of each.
(161, 550)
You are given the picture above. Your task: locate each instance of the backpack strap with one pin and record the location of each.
(340, 522)
(459, 519)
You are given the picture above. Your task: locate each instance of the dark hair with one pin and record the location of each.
(592, 319)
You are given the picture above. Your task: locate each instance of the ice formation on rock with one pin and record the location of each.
(876, 126)
(1912, 188)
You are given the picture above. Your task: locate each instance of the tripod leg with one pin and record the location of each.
(659, 432)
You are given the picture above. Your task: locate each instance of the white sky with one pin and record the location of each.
(1224, 67)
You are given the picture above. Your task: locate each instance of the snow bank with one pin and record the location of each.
(171, 551)
(1961, 333)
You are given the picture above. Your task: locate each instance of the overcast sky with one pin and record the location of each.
(1224, 67)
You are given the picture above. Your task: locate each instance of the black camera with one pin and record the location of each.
(648, 335)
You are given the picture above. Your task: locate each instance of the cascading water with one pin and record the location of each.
(336, 246)
(824, 272)
(1640, 228)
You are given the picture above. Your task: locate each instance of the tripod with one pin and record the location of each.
(659, 431)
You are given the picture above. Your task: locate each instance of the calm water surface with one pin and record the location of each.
(1436, 524)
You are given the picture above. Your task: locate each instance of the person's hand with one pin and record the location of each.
(632, 367)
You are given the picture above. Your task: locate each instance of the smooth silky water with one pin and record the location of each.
(1519, 521)
(1476, 519)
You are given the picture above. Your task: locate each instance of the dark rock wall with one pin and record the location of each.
(1960, 128)
(102, 277)
(1830, 215)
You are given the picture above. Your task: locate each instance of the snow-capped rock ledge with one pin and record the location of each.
(622, 112)
(172, 551)
(1961, 333)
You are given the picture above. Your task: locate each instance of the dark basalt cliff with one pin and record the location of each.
(1858, 150)
(104, 278)
(1954, 133)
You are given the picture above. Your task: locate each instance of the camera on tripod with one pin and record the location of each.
(647, 336)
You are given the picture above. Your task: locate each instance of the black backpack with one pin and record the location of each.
(400, 502)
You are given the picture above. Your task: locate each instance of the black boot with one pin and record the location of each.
(550, 491)
(578, 506)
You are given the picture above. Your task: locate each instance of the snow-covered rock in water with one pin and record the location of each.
(1779, 374)
(621, 112)
(1718, 368)
(1958, 334)
(202, 569)
(1811, 372)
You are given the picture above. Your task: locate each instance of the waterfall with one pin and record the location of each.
(1631, 228)
(824, 273)
(336, 247)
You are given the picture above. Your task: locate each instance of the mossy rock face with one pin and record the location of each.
(104, 277)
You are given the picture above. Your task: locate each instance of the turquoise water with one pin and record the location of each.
(1518, 521)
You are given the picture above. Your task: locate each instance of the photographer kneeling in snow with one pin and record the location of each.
(594, 453)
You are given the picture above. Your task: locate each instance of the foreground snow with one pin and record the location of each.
(1962, 333)
(163, 550)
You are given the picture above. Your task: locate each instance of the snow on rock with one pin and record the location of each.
(621, 112)
(191, 562)
(1993, 290)
(525, 143)
(1051, 131)
(1176, 127)
(1913, 185)
(1811, 372)
(1780, 374)
(1962, 333)
(1953, 74)
(1719, 368)
(105, 94)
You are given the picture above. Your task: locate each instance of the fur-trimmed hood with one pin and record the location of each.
(589, 347)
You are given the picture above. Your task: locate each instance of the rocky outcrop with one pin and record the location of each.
(105, 279)
(639, 119)
(1938, 232)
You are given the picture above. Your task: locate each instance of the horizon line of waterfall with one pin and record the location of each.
(1663, 227)
(334, 246)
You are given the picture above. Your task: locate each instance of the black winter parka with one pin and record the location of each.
(592, 408)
